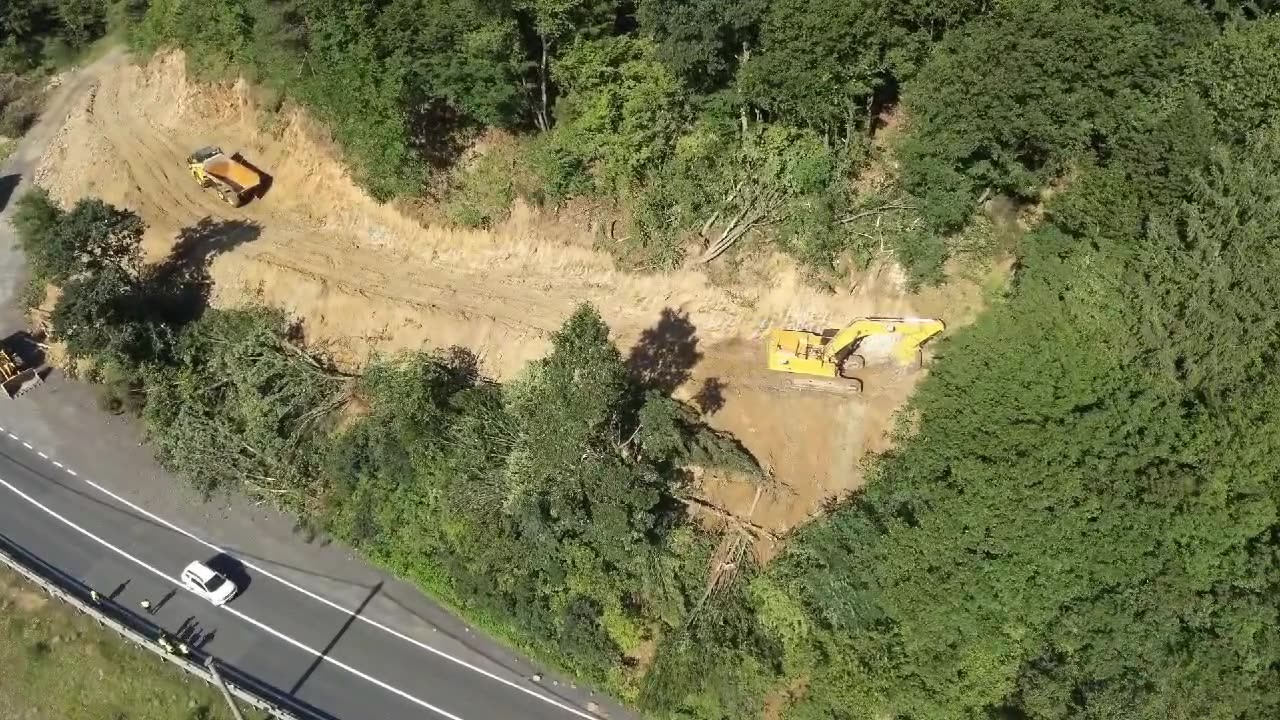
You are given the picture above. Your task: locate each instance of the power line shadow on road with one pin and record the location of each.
(277, 565)
(332, 643)
(91, 497)
(238, 572)
(146, 627)
(477, 642)
(488, 649)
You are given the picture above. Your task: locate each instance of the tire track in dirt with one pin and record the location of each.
(449, 296)
(151, 160)
(149, 157)
(466, 298)
(366, 277)
(149, 172)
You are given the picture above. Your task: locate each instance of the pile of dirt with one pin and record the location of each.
(366, 278)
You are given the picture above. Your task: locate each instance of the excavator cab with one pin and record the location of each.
(832, 353)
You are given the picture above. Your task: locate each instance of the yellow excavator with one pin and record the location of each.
(227, 175)
(831, 353)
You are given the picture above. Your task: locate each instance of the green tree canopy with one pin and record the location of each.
(621, 112)
(243, 408)
(91, 236)
(1102, 542)
(704, 40)
(1013, 101)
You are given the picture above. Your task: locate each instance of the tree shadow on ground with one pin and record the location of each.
(710, 397)
(664, 356)
(181, 283)
(197, 245)
(8, 184)
(440, 134)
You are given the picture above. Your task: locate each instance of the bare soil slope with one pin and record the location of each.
(365, 278)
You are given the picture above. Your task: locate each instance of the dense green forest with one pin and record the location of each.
(36, 32)
(1081, 517)
(36, 37)
(707, 122)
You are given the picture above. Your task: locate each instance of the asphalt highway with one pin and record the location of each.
(323, 655)
(80, 492)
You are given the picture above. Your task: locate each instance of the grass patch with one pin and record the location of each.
(57, 663)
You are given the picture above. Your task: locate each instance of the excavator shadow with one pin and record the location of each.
(22, 359)
(26, 347)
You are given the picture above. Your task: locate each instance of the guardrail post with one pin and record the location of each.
(226, 693)
(71, 591)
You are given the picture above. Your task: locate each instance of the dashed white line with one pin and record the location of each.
(237, 613)
(46, 457)
(27, 445)
(12, 436)
(319, 598)
(374, 623)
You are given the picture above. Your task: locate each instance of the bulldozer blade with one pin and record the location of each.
(21, 383)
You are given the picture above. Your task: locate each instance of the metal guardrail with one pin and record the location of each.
(109, 614)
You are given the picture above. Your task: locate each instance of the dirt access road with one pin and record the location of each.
(366, 278)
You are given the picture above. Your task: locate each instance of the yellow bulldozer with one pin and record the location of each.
(228, 175)
(15, 376)
(832, 353)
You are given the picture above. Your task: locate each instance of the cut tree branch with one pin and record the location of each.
(874, 211)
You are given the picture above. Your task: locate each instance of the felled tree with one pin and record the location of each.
(92, 235)
(244, 408)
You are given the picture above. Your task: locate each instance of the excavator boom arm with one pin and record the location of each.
(849, 336)
(807, 353)
(909, 334)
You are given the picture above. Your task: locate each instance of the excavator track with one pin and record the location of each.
(835, 386)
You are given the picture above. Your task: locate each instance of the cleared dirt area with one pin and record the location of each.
(366, 278)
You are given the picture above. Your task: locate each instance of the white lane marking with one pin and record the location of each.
(27, 445)
(11, 435)
(46, 457)
(344, 666)
(396, 633)
(319, 598)
(237, 613)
